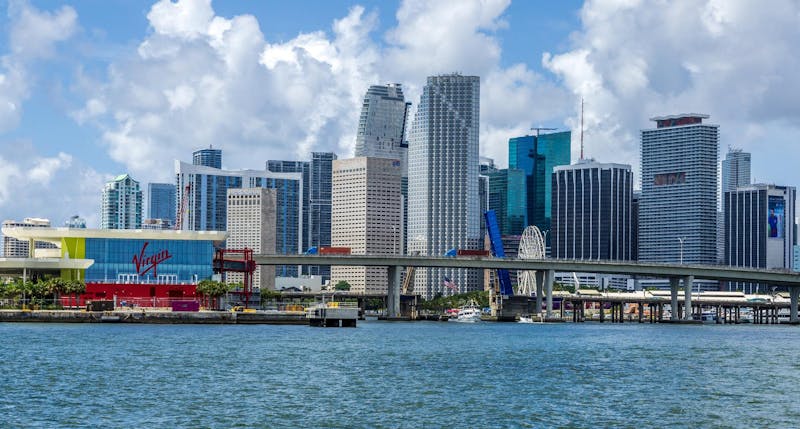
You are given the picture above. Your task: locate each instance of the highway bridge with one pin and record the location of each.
(545, 272)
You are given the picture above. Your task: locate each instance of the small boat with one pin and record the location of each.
(527, 319)
(708, 317)
(469, 313)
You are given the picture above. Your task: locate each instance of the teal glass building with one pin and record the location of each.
(537, 156)
(507, 198)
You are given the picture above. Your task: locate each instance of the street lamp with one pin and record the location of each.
(681, 240)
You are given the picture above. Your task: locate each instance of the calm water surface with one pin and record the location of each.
(425, 374)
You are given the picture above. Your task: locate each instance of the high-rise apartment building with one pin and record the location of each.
(251, 224)
(161, 201)
(678, 205)
(122, 204)
(13, 248)
(592, 211)
(443, 204)
(537, 156)
(366, 210)
(735, 170)
(759, 229)
(206, 205)
(208, 157)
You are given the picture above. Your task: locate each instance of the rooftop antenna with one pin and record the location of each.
(581, 128)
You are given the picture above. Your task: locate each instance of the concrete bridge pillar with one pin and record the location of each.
(539, 275)
(393, 292)
(687, 296)
(548, 284)
(794, 293)
(673, 289)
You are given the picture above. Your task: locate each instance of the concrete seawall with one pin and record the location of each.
(153, 317)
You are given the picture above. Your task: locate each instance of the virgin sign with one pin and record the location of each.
(145, 263)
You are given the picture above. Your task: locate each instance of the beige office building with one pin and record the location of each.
(251, 224)
(366, 217)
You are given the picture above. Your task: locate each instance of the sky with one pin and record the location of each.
(90, 90)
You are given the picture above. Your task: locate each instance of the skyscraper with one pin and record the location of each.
(366, 207)
(161, 201)
(381, 133)
(251, 224)
(206, 205)
(319, 204)
(122, 204)
(381, 127)
(304, 168)
(507, 199)
(537, 156)
(759, 229)
(592, 211)
(678, 206)
(443, 204)
(735, 170)
(208, 157)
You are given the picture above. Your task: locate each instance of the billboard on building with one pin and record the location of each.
(669, 178)
(776, 217)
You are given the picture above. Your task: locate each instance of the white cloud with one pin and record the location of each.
(32, 35)
(43, 169)
(200, 79)
(53, 187)
(735, 60)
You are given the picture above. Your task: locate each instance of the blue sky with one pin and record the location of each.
(89, 90)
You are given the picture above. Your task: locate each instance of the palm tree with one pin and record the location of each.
(75, 287)
(212, 289)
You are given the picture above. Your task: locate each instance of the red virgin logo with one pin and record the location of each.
(150, 262)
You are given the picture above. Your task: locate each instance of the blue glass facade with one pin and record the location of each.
(537, 156)
(161, 201)
(208, 157)
(127, 260)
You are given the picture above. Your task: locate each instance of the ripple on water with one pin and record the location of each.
(399, 375)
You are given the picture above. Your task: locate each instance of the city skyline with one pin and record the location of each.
(89, 81)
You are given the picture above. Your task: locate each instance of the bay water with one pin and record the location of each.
(398, 375)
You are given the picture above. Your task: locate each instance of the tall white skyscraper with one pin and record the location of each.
(251, 224)
(122, 204)
(735, 170)
(443, 202)
(381, 127)
(365, 213)
(678, 206)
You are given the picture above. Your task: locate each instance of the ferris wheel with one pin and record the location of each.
(531, 246)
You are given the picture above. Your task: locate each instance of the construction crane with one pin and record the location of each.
(182, 209)
(537, 129)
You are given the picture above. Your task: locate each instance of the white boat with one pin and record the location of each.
(708, 317)
(469, 313)
(529, 319)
